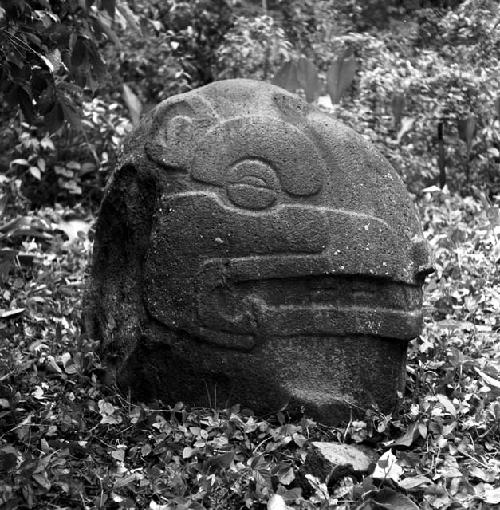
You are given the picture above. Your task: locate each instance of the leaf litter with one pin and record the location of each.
(69, 441)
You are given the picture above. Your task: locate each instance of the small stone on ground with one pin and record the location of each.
(339, 454)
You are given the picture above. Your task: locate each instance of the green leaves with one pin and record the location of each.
(467, 129)
(87, 62)
(286, 77)
(68, 441)
(131, 19)
(497, 107)
(133, 104)
(300, 74)
(8, 458)
(340, 76)
(50, 47)
(303, 74)
(222, 461)
(387, 499)
(21, 95)
(61, 425)
(388, 468)
(307, 76)
(441, 156)
(109, 6)
(398, 105)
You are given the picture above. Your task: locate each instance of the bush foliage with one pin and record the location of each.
(410, 75)
(420, 79)
(68, 441)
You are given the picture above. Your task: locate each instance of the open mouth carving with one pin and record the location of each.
(234, 277)
(312, 306)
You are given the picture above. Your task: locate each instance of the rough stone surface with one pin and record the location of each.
(331, 462)
(361, 458)
(252, 249)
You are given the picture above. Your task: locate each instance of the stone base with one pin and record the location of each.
(333, 379)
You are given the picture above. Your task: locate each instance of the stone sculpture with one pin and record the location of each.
(252, 249)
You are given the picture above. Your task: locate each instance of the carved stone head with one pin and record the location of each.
(251, 247)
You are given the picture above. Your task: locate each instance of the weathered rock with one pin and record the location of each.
(330, 462)
(252, 249)
(361, 458)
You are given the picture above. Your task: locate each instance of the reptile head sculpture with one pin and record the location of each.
(250, 243)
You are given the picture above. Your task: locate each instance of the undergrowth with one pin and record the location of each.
(68, 441)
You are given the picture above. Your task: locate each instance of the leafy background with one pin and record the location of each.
(418, 79)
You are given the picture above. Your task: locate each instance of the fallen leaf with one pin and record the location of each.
(409, 436)
(11, 314)
(481, 474)
(8, 458)
(449, 468)
(286, 477)
(299, 440)
(388, 468)
(389, 499)
(223, 461)
(290, 495)
(187, 452)
(51, 366)
(38, 393)
(414, 482)
(492, 496)
(276, 502)
(447, 404)
(488, 379)
(118, 455)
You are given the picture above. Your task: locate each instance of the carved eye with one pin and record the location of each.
(252, 184)
(180, 127)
